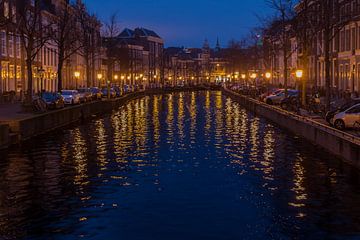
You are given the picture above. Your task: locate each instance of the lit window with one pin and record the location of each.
(6, 9)
(3, 43)
(11, 45)
(18, 47)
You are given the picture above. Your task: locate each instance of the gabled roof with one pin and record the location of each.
(138, 32)
(143, 32)
(127, 33)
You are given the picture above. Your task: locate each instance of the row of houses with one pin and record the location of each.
(139, 55)
(132, 57)
(344, 46)
(14, 74)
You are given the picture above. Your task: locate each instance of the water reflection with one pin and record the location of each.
(176, 166)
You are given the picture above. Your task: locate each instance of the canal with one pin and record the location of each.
(176, 166)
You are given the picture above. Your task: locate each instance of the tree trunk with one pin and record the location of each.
(285, 70)
(306, 76)
(327, 53)
(88, 71)
(30, 80)
(60, 67)
(327, 70)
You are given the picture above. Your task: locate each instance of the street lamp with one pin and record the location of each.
(116, 77)
(99, 76)
(77, 77)
(253, 76)
(299, 74)
(268, 75)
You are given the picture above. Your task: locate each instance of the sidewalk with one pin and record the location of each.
(12, 111)
(321, 120)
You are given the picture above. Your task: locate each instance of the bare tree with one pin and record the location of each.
(283, 21)
(110, 32)
(34, 33)
(320, 21)
(66, 36)
(306, 32)
(89, 39)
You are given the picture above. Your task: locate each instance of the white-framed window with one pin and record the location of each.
(6, 9)
(44, 56)
(13, 13)
(18, 47)
(3, 43)
(11, 45)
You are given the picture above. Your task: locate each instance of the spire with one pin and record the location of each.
(217, 48)
(206, 46)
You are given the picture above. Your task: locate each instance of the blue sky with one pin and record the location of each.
(186, 22)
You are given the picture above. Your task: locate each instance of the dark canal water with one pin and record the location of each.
(179, 166)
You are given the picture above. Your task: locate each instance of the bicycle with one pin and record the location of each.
(39, 105)
(356, 128)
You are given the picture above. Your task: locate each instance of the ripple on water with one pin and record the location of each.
(176, 166)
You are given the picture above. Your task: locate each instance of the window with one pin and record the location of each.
(51, 57)
(342, 41)
(358, 39)
(11, 45)
(3, 43)
(347, 40)
(48, 57)
(44, 53)
(355, 109)
(353, 38)
(18, 47)
(6, 9)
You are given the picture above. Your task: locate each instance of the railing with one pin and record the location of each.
(305, 119)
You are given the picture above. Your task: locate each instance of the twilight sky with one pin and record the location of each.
(185, 22)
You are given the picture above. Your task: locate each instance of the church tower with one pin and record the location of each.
(217, 48)
(206, 47)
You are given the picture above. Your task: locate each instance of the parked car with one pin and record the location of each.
(270, 93)
(85, 95)
(330, 114)
(104, 92)
(277, 98)
(53, 100)
(71, 97)
(348, 118)
(96, 92)
(127, 89)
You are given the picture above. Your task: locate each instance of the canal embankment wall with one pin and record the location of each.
(15, 131)
(343, 145)
(4, 135)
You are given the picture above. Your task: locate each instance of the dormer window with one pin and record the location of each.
(6, 9)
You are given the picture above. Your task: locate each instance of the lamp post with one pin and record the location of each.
(299, 74)
(108, 89)
(77, 77)
(268, 77)
(253, 76)
(243, 77)
(99, 77)
(41, 73)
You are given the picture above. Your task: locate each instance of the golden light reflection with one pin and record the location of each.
(208, 113)
(299, 186)
(80, 159)
(193, 117)
(170, 118)
(155, 118)
(181, 116)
